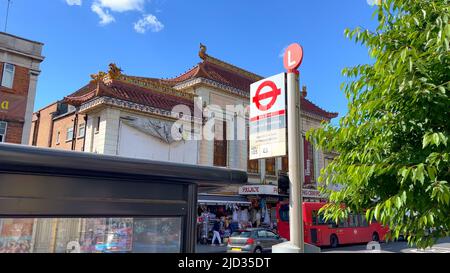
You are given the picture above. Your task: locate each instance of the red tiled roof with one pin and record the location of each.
(234, 79)
(216, 73)
(210, 68)
(308, 106)
(128, 92)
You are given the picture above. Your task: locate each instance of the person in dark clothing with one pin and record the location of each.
(216, 232)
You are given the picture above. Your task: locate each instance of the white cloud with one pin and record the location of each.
(148, 22)
(74, 2)
(122, 5)
(106, 8)
(281, 55)
(105, 17)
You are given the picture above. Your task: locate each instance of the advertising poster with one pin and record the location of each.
(119, 237)
(93, 238)
(16, 235)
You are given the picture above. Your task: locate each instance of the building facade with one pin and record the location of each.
(119, 114)
(19, 70)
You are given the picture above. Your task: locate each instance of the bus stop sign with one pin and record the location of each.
(268, 117)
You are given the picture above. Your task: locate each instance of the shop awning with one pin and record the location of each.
(206, 199)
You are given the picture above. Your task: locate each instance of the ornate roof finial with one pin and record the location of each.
(202, 52)
(98, 77)
(304, 92)
(114, 71)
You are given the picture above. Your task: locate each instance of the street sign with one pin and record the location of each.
(293, 57)
(268, 117)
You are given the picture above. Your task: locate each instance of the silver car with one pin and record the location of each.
(253, 240)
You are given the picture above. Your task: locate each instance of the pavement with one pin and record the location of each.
(442, 246)
(211, 249)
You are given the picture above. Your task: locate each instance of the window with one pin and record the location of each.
(58, 137)
(3, 126)
(271, 235)
(270, 166)
(81, 130)
(69, 134)
(261, 233)
(285, 164)
(97, 125)
(284, 213)
(309, 161)
(252, 165)
(91, 235)
(8, 75)
(221, 145)
(363, 221)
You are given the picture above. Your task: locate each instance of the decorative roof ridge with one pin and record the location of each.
(155, 86)
(232, 68)
(207, 58)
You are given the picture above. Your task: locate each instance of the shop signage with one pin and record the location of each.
(268, 117)
(311, 194)
(258, 190)
(12, 106)
(293, 57)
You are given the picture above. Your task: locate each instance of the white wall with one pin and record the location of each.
(136, 144)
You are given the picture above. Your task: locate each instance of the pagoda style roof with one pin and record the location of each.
(166, 93)
(128, 92)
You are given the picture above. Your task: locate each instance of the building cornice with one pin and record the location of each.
(109, 101)
(197, 81)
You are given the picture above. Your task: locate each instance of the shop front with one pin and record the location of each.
(224, 210)
(264, 200)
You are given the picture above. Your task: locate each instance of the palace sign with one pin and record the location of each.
(268, 117)
(258, 190)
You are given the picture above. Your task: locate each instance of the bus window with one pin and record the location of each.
(363, 221)
(314, 218)
(343, 223)
(351, 222)
(284, 213)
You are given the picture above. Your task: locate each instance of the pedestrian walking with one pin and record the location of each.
(216, 232)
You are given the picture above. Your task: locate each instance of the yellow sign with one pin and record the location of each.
(4, 105)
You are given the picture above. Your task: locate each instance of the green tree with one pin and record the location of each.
(393, 144)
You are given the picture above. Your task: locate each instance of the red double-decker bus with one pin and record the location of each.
(319, 232)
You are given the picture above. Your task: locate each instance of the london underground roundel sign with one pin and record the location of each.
(293, 57)
(273, 93)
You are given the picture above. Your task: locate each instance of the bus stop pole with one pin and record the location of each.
(296, 164)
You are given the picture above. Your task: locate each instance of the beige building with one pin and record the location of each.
(133, 116)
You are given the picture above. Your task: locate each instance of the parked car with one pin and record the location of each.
(253, 240)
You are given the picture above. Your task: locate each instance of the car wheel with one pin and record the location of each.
(258, 250)
(375, 237)
(334, 241)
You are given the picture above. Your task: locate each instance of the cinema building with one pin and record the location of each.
(132, 116)
(19, 70)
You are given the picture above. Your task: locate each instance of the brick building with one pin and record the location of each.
(19, 70)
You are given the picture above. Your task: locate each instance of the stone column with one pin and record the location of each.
(30, 107)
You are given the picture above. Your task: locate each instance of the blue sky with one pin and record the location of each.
(160, 38)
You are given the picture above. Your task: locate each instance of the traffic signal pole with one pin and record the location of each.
(296, 169)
